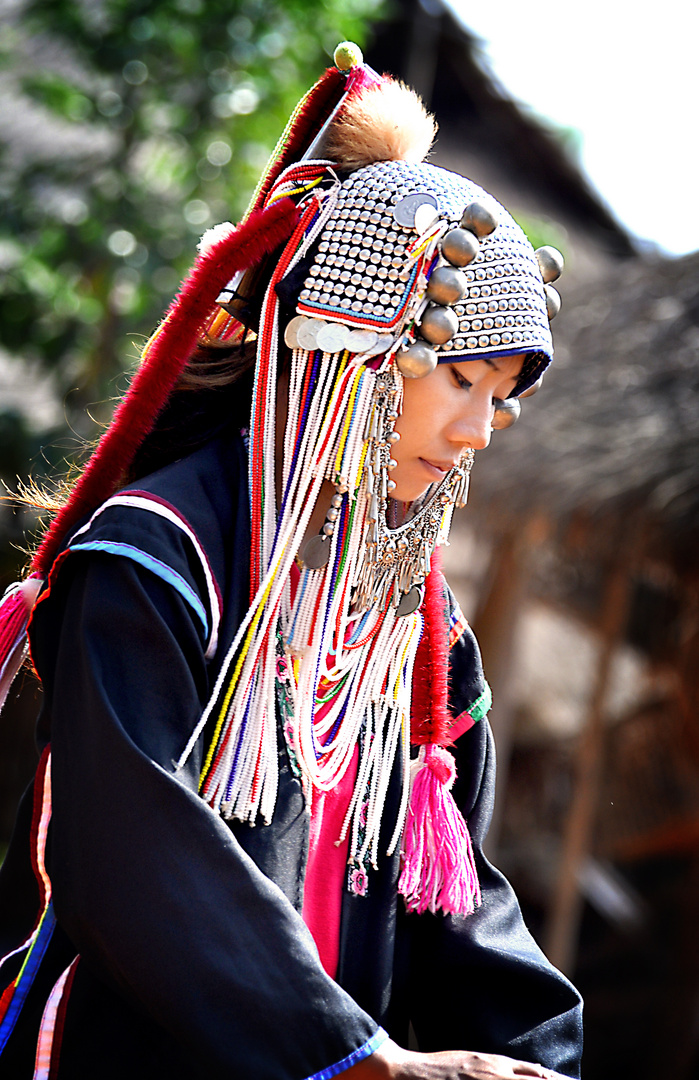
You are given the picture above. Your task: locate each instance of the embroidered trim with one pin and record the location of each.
(372, 1044)
(15, 993)
(142, 500)
(463, 723)
(457, 623)
(482, 705)
(160, 569)
(470, 716)
(48, 1046)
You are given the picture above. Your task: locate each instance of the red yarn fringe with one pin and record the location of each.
(164, 361)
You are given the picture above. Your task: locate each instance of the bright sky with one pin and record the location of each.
(626, 77)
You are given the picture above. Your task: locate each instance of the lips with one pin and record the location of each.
(437, 469)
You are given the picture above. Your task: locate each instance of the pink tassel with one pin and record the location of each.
(15, 609)
(439, 871)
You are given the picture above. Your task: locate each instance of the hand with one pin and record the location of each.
(391, 1062)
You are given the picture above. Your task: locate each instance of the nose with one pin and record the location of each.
(472, 429)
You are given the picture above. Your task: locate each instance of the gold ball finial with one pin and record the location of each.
(347, 55)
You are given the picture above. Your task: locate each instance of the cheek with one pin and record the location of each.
(418, 407)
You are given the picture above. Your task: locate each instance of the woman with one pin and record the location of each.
(256, 860)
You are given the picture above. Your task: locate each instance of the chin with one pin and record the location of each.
(408, 493)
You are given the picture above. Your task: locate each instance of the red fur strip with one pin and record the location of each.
(430, 721)
(164, 361)
(314, 110)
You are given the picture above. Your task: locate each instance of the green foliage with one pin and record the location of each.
(543, 230)
(138, 125)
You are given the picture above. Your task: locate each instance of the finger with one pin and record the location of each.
(528, 1068)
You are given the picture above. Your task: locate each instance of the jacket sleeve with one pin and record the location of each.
(150, 885)
(481, 981)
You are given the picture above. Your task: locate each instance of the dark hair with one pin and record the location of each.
(214, 390)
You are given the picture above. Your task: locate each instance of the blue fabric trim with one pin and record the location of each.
(26, 980)
(364, 1051)
(490, 354)
(160, 569)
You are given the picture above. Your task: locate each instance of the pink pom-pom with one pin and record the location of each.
(440, 762)
(438, 871)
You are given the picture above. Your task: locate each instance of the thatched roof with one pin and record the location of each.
(616, 426)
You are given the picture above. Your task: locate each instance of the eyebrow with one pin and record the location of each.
(498, 368)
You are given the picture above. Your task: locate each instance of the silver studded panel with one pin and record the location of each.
(361, 275)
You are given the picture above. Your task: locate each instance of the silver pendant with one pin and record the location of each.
(410, 601)
(316, 552)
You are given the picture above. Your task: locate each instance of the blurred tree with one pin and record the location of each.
(128, 127)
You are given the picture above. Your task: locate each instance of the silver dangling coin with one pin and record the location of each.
(404, 211)
(307, 335)
(382, 344)
(332, 337)
(361, 341)
(410, 601)
(316, 552)
(292, 329)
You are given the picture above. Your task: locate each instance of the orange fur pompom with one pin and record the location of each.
(385, 122)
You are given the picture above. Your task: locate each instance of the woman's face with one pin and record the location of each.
(447, 412)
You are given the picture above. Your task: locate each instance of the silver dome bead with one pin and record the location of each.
(447, 285)
(506, 413)
(550, 263)
(553, 301)
(417, 361)
(479, 219)
(459, 247)
(533, 388)
(438, 324)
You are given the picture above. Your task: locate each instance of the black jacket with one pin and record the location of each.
(194, 957)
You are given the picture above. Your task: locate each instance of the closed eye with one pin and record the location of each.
(460, 379)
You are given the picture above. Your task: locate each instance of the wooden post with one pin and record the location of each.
(496, 626)
(564, 922)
